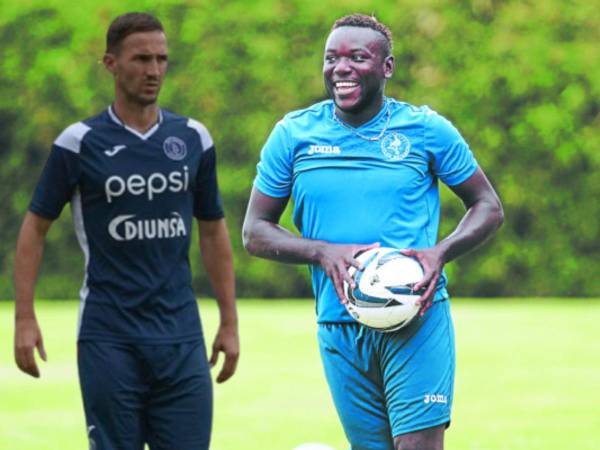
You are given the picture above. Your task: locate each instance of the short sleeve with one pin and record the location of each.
(56, 184)
(452, 159)
(274, 171)
(207, 198)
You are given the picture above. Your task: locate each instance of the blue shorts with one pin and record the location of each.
(387, 384)
(134, 394)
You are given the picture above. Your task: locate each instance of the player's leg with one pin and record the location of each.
(179, 406)
(112, 388)
(354, 380)
(428, 439)
(418, 365)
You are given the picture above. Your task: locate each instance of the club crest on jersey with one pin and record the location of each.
(174, 148)
(395, 146)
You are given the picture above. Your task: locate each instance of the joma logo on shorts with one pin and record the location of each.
(435, 398)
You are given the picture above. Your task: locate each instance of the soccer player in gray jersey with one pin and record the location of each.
(136, 176)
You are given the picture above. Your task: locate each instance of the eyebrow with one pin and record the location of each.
(354, 50)
(145, 53)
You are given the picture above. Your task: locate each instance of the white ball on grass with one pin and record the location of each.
(313, 446)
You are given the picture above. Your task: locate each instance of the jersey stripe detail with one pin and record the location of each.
(205, 136)
(77, 214)
(72, 136)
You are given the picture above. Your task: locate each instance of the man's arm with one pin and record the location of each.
(30, 248)
(483, 217)
(264, 237)
(218, 262)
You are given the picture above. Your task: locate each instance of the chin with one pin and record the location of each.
(147, 100)
(349, 106)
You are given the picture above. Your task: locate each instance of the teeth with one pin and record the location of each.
(345, 84)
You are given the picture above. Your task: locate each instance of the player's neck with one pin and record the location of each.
(139, 117)
(357, 118)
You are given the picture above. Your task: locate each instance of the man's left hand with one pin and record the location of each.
(228, 342)
(432, 262)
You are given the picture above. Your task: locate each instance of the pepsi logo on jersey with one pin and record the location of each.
(150, 186)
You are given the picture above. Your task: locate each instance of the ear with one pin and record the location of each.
(388, 67)
(110, 62)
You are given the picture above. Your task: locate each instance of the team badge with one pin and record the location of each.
(395, 146)
(175, 148)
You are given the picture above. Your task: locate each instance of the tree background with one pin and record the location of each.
(520, 79)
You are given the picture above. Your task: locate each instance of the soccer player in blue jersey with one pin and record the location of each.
(136, 175)
(363, 170)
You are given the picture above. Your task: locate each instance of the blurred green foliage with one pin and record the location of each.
(520, 79)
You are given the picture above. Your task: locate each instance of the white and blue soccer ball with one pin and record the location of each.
(384, 298)
(313, 446)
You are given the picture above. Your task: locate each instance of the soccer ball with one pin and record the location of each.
(383, 297)
(313, 446)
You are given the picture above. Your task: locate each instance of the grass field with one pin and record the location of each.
(528, 378)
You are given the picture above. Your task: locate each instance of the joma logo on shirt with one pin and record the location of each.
(126, 228)
(332, 149)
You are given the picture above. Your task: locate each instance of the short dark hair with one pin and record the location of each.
(364, 21)
(129, 23)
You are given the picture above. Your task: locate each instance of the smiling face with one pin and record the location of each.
(139, 66)
(355, 69)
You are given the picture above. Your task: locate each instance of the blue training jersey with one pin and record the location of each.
(347, 189)
(133, 196)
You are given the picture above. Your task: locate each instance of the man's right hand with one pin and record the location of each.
(336, 259)
(27, 337)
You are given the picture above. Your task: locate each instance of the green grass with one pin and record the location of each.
(528, 378)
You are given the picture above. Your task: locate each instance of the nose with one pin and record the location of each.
(152, 68)
(342, 66)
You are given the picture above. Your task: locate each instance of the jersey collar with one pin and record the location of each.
(143, 136)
